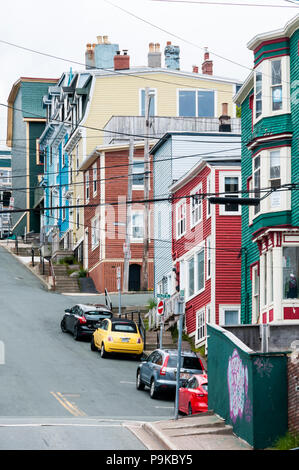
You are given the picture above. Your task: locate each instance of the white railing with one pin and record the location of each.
(169, 310)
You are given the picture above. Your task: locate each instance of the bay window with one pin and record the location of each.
(275, 180)
(258, 94)
(257, 180)
(276, 85)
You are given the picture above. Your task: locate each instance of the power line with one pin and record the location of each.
(200, 2)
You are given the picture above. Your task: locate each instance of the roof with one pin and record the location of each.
(88, 307)
(287, 31)
(33, 90)
(168, 135)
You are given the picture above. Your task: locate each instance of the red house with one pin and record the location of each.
(206, 244)
(105, 215)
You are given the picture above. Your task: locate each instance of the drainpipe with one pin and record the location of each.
(246, 315)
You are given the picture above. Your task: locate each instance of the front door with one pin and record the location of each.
(134, 277)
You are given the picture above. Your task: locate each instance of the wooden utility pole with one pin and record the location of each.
(144, 272)
(127, 250)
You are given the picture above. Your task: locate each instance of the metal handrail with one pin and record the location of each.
(108, 300)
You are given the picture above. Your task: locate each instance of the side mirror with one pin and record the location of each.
(67, 310)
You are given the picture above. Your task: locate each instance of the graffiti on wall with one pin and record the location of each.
(237, 377)
(264, 367)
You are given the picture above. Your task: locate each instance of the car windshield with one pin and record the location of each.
(98, 313)
(188, 362)
(124, 327)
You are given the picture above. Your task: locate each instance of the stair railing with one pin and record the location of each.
(108, 301)
(52, 271)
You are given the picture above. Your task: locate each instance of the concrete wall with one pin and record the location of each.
(281, 335)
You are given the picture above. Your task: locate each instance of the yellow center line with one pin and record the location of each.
(70, 407)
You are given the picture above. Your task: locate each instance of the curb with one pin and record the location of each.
(156, 433)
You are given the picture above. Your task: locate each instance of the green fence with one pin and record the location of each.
(248, 389)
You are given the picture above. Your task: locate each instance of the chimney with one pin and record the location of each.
(207, 65)
(89, 57)
(195, 68)
(224, 120)
(172, 56)
(121, 62)
(154, 55)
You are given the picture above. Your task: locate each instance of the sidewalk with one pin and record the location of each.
(199, 432)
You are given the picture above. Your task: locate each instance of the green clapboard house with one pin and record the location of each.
(26, 120)
(269, 100)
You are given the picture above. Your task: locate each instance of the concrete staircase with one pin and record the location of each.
(63, 283)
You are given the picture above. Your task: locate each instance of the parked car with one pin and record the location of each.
(193, 397)
(82, 320)
(159, 370)
(117, 335)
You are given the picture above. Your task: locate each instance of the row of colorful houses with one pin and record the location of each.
(96, 139)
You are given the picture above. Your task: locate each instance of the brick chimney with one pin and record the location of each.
(89, 56)
(195, 68)
(207, 65)
(154, 55)
(224, 120)
(121, 62)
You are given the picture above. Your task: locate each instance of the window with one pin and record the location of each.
(200, 326)
(39, 154)
(208, 247)
(275, 180)
(94, 177)
(63, 203)
(196, 207)
(230, 184)
(258, 94)
(196, 103)
(95, 232)
(137, 225)
(200, 270)
(255, 293)
(138, 174)
(257, 180)
(87, 185)
(230, 315)
(276, 85)
(290, 264)
(181, 219)
(191, 272)
(208, 192)
(78, 214)
(152, 102)
(63, 155)
(77, 158)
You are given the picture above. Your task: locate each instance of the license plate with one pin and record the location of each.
(125, 340)
(184, 376)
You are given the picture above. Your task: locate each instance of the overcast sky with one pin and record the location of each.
(63, 28)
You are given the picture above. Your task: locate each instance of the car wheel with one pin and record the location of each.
(62, 326)
(153, 391)
(92, 345)
(103, 352)
(76, 334)
(138, 357)
(139, 384)
(190, 412)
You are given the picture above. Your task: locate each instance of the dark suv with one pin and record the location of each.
(82, 320)
(159, 370)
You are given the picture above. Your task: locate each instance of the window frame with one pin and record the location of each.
(137, 239)
(95, 232)
(196, 190)
(223, 176)
(94, 178)
(138, 187)
(225, 307)
(196, 90)
(200, 326)
(180, 233)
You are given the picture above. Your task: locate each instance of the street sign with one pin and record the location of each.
(160, 307)
(163, 296)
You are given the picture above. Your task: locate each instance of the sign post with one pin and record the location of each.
(181, 312)
(160, 312)
(118, 278)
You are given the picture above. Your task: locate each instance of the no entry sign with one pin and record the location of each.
(160, 307)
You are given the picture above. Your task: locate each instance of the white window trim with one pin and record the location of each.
(141, 239)
(97, 235)
(141, 186)
(265, 69)
(195, 191)
(209, 191)
(196, 100)
(224, 307)
(181, 203)
(203, 325)
(87, 186)
(94, 179)
(194, 256)
(229, 174)
(255, 313)
(154, 90)
(208, 257)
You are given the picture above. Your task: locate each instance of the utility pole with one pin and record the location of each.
(144, 282)
(181, 312)
(127, 251)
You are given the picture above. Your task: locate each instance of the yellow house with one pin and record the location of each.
(119, 90)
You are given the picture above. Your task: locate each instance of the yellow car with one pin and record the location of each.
(117, 335)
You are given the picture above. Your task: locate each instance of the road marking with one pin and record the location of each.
(124, 382)
(166, 407)
(73, 409)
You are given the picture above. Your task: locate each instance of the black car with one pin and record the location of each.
(82, 320)
(159, 371)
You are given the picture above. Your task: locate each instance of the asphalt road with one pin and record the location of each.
(48, 377)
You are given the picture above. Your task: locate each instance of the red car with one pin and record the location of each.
(193, 398)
